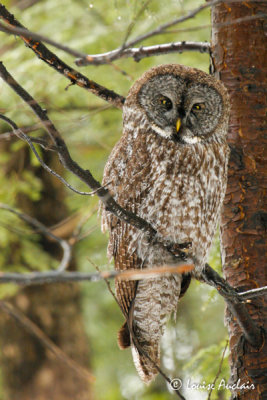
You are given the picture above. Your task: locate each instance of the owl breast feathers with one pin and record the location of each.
(170, 168)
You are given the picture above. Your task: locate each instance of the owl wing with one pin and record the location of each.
(128, 189)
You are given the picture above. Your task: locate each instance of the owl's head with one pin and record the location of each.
(182, 103)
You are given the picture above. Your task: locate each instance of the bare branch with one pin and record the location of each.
(44, 144)
(219, 370)
(250, 294)
(10, 135)
(134, 21)
(252, 333)
(40, 278)
(45, 231)
(163, 27)
(53, 61)
(143, 52)
(33, 329)
(219, 25)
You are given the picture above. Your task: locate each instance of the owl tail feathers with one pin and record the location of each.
(147, 369)
(124, 340)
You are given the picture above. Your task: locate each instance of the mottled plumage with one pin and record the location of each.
(170, 168)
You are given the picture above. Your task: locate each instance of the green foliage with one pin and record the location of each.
(204, 363)
(90, 133)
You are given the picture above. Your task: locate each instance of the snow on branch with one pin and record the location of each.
(143, 52)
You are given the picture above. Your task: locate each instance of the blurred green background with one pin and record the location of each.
(192, 346)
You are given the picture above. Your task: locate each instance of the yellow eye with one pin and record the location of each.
(198, 107)
(166, 103)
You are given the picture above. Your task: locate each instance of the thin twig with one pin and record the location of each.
(75, 77)
(45, 231)
(143, 52)
(134, 21)
(13, 30)
(219, 25)
(250, 294)
(18, 132)
(191, 14)
(27, 129)
(219, 370)
(33, 329)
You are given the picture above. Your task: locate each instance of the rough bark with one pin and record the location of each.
(240, 59)
(28, 368)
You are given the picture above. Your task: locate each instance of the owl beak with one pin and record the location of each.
(178, 124)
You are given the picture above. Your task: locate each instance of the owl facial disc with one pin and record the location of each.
(180, 109)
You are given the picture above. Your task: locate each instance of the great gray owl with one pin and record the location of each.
(170, 168)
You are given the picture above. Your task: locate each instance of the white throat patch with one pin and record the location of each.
(166, 133)
(191, 140)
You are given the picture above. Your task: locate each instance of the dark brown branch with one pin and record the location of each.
(252, 333)
(45, 231)
(143, 52)
(33, 329)
(53, 61)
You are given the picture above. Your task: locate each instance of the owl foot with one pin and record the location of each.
(179, 250)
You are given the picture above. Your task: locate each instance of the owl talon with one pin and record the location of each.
(179, 249)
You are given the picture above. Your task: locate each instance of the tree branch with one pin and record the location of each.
(53, 61)
(142, 52)
(45, 231)
(21, 135)
(162, 28)
(13, 30)
(250, 294)
(33, 329)
(252, 333)
(40, 278)
(219, 25)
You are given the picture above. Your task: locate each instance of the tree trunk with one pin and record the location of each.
(240, 59)
(28, 368)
